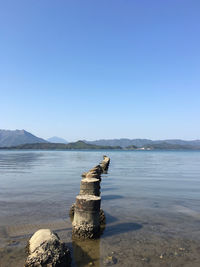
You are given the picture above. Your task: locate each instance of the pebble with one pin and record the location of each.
(110, 260)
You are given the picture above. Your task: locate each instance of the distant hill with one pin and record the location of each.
(168, 146)
(56, 139)
(21, 139)
(130, 147)
(125, 142)
(10, 138)
(80, 145)
(56, 146)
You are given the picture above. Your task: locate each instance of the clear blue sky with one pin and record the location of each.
(100, 69)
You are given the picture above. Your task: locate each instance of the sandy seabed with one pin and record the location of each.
(131, 241)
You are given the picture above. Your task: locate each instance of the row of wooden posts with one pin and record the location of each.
(46, 249)
(86, 213)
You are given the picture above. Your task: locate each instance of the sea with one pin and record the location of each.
(151, 200)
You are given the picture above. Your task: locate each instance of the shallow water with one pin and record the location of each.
(151, 201)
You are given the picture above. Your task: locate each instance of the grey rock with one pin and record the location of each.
(46, 250)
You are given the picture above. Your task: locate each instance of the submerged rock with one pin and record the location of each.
(46, 250)
(110, 260)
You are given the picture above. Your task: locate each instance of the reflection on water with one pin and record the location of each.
(15, 162)
(150, 199)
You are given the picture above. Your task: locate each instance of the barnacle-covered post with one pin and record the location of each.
(86, 222)
(86, 213)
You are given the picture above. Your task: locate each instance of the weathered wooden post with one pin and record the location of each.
(96, 172)
(87, 217)
(90, 186)
(86, 222)
(105, 164)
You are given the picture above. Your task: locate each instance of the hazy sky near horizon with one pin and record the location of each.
(100, 69)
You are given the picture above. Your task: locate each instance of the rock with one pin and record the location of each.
(146, 260)
(110, 260)
(46, 250)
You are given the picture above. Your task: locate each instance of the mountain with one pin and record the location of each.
(10, 138)
(57, 146)
(56, 139)
(181, 142)
(130, 147)
(80, 145)
(169, 146)
(21, 139)
(125, 142)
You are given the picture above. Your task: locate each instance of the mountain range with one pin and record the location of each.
(57, 140)
(13, 138)
(80, 145)
(125, 142)
(23, 139)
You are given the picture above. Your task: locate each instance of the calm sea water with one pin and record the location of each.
(151, 200)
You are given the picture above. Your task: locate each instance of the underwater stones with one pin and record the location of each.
(110, 260)
(46, 249)
(86, 223)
